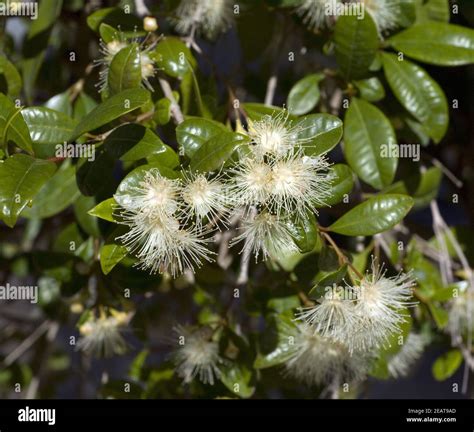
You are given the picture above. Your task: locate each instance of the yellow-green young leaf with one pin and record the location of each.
(370, 89)
(125, 71)
(256, 111)
(377, 214)
(174, 57)
(369, 139)
(10, 78)
(436, 43)
(111, 253)
(439, 314)
(21, 178)
(419, 94)
(105, 210)
(12, 125)
(216, 151)
(193, 132)
(132, 142)
(435, 10)
(422, 187)
(342, 183)
(162, 111)
(304, 95)
(446, 365)
(111, 109)
(107, 32)
(356, 42)
(319, 132)
(58, 193)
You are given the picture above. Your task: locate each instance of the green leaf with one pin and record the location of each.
(370, 89)
(304, 232)
(423, 187)
(174, 57)
(111, 109)
(12, 125)
(59, 192)
(88, 223)
(327, 280)
(342, 183)
(115, 17)
(436, 10)
(60, 102)
(12, 78)
(356, 43)
(94, 176)
(21, 178)
(47, 128)
(132, 142)
(436, 43)
(193, 132)
(256, 111)
(440, 315)
(320, 133)
(111, 253)
(238, 379)
(84, 105)
(377, 214)
(419, 94)
(107, 32)
(367, 133)
(105, 210)
(217, 150)
(125, 71)
(304, 95)
(446, 365)
(162, 111)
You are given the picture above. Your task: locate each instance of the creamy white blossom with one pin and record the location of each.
(385, 13)
(401, 363)
(197, 355)
(208, 17)
(316, 360)
(316, 14)
(102, 335)
(461, 314)
(265, 234)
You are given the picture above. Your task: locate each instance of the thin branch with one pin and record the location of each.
(141, 8)
(271, 87)
(175, 109)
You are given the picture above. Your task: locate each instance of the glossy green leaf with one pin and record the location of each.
(419, 94)
(94, 176)
(107, 32)
(377, 214)
(11, 77)
(356, 43)
(12, 125)
(238, 379)
(370, 89)
(88, 223)
(174, 57)
(368, 141)
(125, 70)
(162, 111)
(59, 192)
(256, 111)
(436, 10)
(304, 95)
(115, 17)
(304, 232)
(342, 183)
(320, 133)
(327, 280)
(193, 132)
(216, 151)
(21, 178)
(446, 365)
(436, 43)
(60, 102)
(111, 109)
(105, 210)
(84, 105)
(111, 253)
(132, 142)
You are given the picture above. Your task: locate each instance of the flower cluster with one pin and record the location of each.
(102, 335)
(166, 216)
(276, 180)
(363, 319)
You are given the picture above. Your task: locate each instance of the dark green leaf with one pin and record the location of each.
(319, 132)
(342, 183)
(446, 365)
(304, 95)
(12, 125)
(174, 57)
(370, 89)
(125, 71)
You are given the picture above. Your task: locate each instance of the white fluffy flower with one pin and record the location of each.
(102, 336)
(316, 360)
(197, 355)
(315, 12)
(401, 362)
(273, 135)
(265, 234)
(204, 197)
(461, 314)
(334, 316)
(385, 13)
(381, 307)
(299, 184)
(158, 236)
(208, 17)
